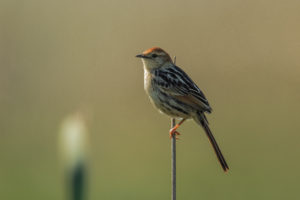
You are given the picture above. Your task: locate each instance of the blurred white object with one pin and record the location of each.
(73, 140)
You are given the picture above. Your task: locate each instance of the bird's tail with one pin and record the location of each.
(202, 120)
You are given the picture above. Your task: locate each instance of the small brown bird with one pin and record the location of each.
(173, 92)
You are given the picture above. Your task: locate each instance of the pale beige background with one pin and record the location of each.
(60, 56)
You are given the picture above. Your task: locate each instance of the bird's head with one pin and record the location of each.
(154, 58)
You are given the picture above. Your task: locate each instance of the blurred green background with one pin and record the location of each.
(58, 57)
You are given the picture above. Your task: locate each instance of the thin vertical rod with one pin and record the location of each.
(173, 161)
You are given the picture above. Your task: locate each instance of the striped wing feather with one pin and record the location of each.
(176, 82)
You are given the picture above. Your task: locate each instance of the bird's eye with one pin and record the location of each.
(154, 55)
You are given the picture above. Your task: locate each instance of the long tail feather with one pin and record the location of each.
(201, 119)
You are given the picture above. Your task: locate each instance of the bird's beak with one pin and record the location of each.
(141, 56)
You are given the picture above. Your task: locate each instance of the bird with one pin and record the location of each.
(174, 93)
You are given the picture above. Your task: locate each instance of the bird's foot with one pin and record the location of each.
(174, 132)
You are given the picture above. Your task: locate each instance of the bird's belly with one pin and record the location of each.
(167, 104)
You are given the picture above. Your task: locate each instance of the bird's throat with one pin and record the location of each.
(147, 78)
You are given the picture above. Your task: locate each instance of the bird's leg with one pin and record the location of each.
(173, 130)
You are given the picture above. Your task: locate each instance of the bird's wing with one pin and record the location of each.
(175, 81)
